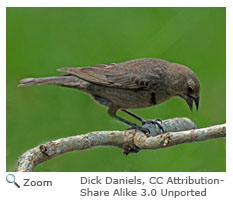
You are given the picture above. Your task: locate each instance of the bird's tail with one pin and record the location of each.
(65, 81)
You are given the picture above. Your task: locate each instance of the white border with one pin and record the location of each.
(118, 3)
(3, 88)
(66, 185)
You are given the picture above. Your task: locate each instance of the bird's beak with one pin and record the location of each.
(197, 102)
(189, 101)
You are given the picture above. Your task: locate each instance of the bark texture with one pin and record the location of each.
(176, 131)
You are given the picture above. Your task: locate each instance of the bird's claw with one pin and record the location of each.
(157, 122)
(147, 127)
(146, 131)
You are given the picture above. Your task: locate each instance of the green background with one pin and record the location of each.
(40, 40)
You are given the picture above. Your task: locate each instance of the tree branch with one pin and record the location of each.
(176, 131)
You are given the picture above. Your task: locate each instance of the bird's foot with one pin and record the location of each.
(145, 130)
(149, 127)
(157, 122)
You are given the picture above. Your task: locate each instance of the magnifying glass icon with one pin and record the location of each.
(10, 178)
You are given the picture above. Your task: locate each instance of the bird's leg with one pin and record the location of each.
(112, 112)
(130, 149)
(133, 115)
(157, 121)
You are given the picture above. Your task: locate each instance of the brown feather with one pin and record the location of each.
(126, 75)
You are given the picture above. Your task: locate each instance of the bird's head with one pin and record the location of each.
(188, 86)
(192, 93)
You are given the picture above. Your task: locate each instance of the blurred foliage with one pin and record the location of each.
(40, 40)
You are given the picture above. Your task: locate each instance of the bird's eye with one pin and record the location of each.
(190, 89)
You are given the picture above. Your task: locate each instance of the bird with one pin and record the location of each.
(132, 84)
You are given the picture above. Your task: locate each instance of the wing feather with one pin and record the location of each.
(134, 74)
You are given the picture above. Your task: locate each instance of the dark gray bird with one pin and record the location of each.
(132, 84)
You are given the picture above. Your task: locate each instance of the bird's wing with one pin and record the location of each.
(128, 75)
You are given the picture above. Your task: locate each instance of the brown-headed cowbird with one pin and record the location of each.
(132, 84)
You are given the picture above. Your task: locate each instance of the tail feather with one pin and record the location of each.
(27, 82)
(66, 81)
